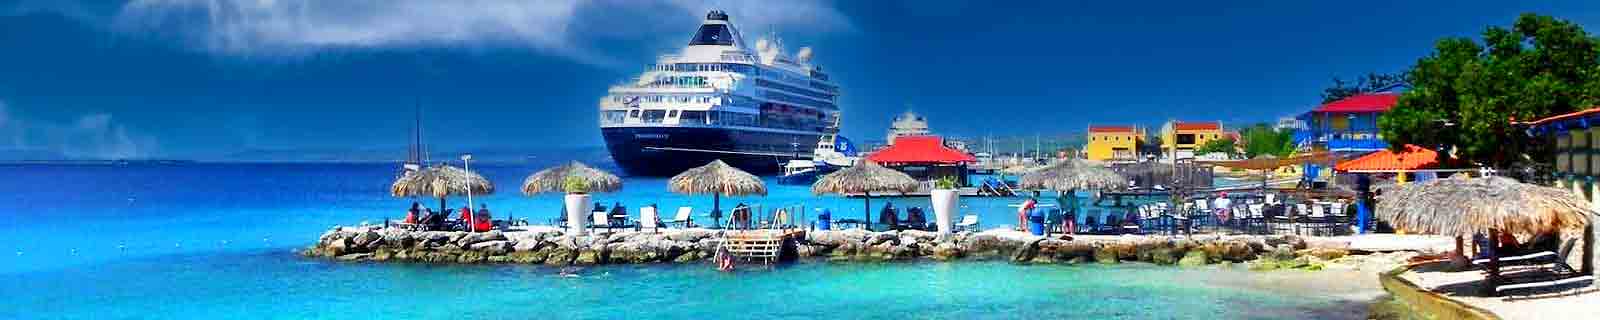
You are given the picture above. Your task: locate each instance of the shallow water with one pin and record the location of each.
(217, 240)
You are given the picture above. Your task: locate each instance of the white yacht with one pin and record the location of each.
(753, 107)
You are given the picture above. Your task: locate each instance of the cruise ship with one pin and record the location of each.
(755, 108)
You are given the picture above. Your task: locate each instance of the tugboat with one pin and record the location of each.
(719, 99)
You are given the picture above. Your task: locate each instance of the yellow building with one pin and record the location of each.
(1108, 143)
(1179, 139)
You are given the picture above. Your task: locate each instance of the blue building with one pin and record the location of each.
(1349, 125)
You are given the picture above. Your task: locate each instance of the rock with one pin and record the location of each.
(470, 239)
(883, 237)
(527, 245)
(590, 256)
(492, 248)
(1324, 253)
(471, 257)
(1027, 252)
(1195, 258)
(839, 237)
(368, 241)
(690, 235)
(946, 251)
(689, 257)
(527, 257)
(559, 256)
(337, 246)
(1105, 255)
(1165, 256)
(355, 257)
(1281, 252)
(918, 236)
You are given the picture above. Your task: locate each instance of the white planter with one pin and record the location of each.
(945, 202)
(578, 208)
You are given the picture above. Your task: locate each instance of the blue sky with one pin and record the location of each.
(206, 79)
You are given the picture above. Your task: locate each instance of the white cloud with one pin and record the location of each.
(92, 136)
(277, 27)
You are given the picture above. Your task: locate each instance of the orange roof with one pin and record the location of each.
(1197, 126)
(1412, 158)
(1111, 129)
(920, 149)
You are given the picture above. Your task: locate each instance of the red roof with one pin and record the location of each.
(1412, 158)
(1197, 126)
(1111, 129)
(920, 150)
(1374, 102)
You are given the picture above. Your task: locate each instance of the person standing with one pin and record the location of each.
(1022, 213)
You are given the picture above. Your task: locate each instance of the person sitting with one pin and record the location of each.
(741, 216)
(429, 218)
(481, 220)
(889, 216)
(414, 213)
(915, 218)
(466, 217)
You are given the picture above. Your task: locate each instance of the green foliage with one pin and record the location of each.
(946, 183)
(575, 185)
(1374, 82)
(1224, 145)
(1466, 95)
(1262, 140)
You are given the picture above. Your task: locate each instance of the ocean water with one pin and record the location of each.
(218, 240)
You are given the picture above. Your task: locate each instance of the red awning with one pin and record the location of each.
(1412, 158)
(920, 150)
(1375, 102)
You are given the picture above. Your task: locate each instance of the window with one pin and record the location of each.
(654, 116)
(713, 34)
(692, 117)
(1187, 138)
(633, 114)
(613, 116)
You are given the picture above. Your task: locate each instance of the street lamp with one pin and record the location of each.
(466, 164)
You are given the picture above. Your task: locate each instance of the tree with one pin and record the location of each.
(1374, 82)
(1262, 140)
(1223, 145)
(1466, 95)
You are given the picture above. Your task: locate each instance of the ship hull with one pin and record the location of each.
(667, 151)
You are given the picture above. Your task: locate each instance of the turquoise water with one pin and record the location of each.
(218, 240)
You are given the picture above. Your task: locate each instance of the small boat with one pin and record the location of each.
(833, 152)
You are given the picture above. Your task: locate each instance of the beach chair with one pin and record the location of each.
(1091, 223)
(969, 223)
(684, 218)
(648, 218)
(601, 220)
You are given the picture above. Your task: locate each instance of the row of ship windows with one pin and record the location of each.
(678, 98)
(809, 93)
(699, 67)
(787, 98)
(690, 82)
(685, 117)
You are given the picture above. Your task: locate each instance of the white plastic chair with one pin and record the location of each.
(600, 221)
(683, 218)
(968, 223)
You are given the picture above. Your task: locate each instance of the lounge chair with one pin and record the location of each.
(1558, 275)
(684, 219)
(601, 220)
(648, 218)
(968, 223)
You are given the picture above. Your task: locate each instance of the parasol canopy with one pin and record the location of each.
(717, 178)
(865, 178)
(554, 178)
(439, 182)
(1466, 206)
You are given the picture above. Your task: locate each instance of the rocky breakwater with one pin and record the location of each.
(550, 246)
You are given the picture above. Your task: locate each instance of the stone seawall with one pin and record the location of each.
(549, 246)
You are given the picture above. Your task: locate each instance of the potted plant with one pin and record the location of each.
(945, 201)
(578, 202)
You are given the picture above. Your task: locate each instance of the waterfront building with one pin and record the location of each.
(1346, 125)
(925, 158)
(1179, 138)
(907, 124)
(1113, 143)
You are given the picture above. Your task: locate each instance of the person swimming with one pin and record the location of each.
(724, 259)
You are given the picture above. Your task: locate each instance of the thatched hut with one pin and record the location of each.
(717, 179)
(554, 178)
(440, 181)
(865, 178)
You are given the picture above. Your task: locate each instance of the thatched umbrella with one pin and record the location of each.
(865, 178)
(1466, 206)
(718, 179)
(554, 178)
(1070, 175)
(440, 181)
